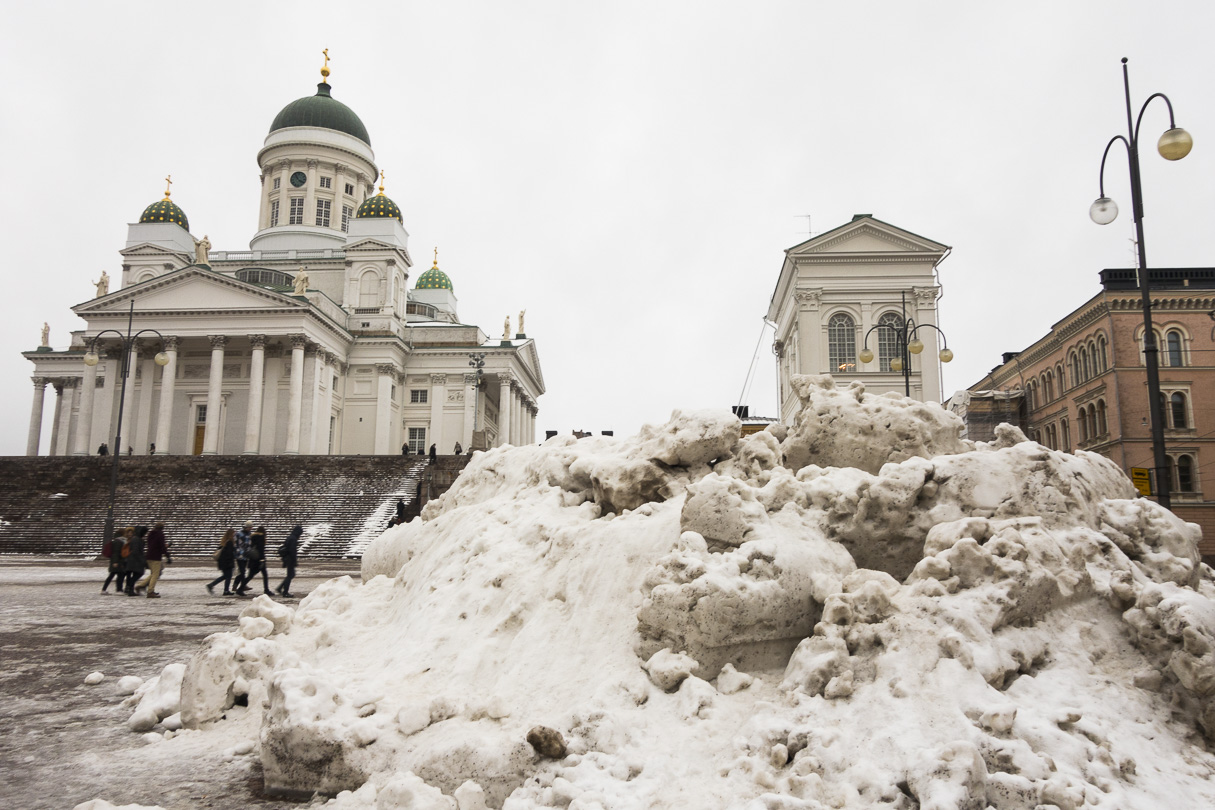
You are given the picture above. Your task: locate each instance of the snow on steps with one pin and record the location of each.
(58, 505)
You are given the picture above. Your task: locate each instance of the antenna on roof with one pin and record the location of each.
(809, 227)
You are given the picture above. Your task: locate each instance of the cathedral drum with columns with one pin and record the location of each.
(311, 341)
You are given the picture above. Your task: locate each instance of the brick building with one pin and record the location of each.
(1084, 384)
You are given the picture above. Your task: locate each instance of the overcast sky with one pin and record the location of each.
(630, 173)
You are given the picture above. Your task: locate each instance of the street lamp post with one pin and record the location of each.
(91, 359)
(477, 361)
(1174, 144)
(908, 345)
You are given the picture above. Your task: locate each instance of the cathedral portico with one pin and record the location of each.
(311, 341)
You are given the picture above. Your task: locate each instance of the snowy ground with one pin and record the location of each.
(858, 610)
(65, 742)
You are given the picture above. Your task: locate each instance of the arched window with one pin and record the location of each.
(888, 339)
(1173, 344)
(841, 343)
(1084, 369)
(1061, 379)
(1092, 422)
(1102, 427)
(369, 289)
(1048, 385)
(1101, 351)
(1083, 423)
(1178, 410)
(1067, 436)
(1184, 481)
(1029, 395)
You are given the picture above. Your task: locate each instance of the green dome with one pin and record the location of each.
(165, 211)
(323, 111)
(434, 279)
(379, 206)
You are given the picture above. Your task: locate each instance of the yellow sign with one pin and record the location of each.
(1141, 477)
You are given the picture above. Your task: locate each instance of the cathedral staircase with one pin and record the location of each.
(57, 505)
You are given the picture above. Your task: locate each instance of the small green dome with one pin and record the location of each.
(434, 279)
(323, 111)
(379, 206)
(165, 211)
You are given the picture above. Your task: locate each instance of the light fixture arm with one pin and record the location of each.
(1104, 155)
(1143, 109)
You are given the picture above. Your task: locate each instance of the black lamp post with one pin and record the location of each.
(477, 361)
(908, 344)
(91, 359)
(1174, 144)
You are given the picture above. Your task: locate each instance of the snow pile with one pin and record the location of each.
(860, 610)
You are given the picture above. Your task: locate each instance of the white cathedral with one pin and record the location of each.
(309, 342)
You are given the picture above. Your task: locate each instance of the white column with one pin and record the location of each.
(214, 396)
(113, 385)
(517, 415)
(143, 428)
(52, 449)
(168, 382)
(470, 411)
(383, 408)
(321, 444)
(273, 375)
(310, 195)
(128, 397)
(531, 423)
(438, 399)
(31, 446)
(67, 392)
(317, 356)
(294, 405)
(929, 359)
(84, 420)
(504, 408)
(253, 420)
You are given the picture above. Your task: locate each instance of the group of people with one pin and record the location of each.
(132, 552)
(243, 553)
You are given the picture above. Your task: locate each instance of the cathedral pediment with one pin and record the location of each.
(149, 249)
(192, 288)
(867, 235)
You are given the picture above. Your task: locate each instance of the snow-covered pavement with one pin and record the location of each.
(65, 742)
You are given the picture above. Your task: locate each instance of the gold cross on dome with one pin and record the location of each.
(436, 256)
(325, 67)
(168, 183)
(381, 181)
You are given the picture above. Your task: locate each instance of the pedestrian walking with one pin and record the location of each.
(242, 555)
(289, 552)
(158, 557)
(136, 561)
(434, 454)
(112, 550)
(256, 556)
(103, 449)
(458, 450)
(405, 449)
(400, 510)
(225, 561)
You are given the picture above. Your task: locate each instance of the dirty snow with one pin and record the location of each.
(859, 609)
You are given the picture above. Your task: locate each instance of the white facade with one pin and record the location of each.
(836, 289)
(356, 363)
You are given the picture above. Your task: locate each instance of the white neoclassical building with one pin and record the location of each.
(311, 341)
(854, 288)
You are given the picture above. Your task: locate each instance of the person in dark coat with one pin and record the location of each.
(103, 449)
(400, 510)
(158, 557)
(405, 449)
(289, 552)
(434, 454)
(242, 554)
(257, 561)
(116, 569)
(225, 561)
(137, 561)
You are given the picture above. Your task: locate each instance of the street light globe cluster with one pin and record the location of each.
(91, 359)
(1174, 144)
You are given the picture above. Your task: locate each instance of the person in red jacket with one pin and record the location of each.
(158, 555)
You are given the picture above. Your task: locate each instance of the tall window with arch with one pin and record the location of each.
(1173, 343)
(1101, 352)
(1177, 411)
(369, 289)
(888, 339)
(841, 343)
(1184, 479)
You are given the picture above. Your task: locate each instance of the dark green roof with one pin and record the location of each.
(165, 211)
(379, 206)
(434, 279)
(323, 111)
